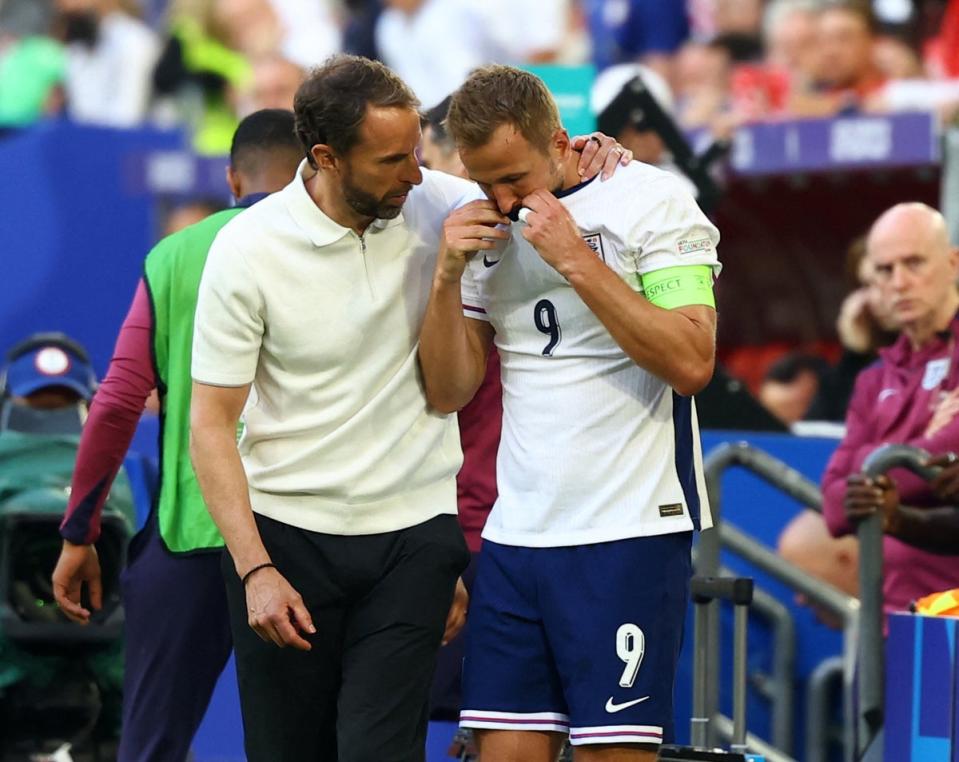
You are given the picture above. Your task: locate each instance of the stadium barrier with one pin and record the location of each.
(871, 641)
(791, 482)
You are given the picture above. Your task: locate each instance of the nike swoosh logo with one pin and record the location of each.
(887, 393)
(488, 263)
(613, 708)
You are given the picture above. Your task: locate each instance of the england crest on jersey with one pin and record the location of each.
(595, 242)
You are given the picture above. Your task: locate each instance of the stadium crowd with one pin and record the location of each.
(208, 65)
(715, 63)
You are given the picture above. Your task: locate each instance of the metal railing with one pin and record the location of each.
(844, 607)
(818, 691)
(862, 619)
(871, 647)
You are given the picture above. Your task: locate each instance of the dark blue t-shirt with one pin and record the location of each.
(626, 30)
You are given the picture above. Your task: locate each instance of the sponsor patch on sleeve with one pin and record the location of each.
(698, 244)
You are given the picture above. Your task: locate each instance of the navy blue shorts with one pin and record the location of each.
(581, 639)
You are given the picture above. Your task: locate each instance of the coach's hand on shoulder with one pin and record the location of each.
(552, 231)
(599, 152)
(77, 565)
(276, 611)
(471, 228)
(457, 616)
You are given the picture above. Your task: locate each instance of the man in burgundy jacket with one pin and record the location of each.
(910, 396)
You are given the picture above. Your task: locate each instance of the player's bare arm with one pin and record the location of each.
(678, 345)
(276, 610)
(77, 565)
(453, 348)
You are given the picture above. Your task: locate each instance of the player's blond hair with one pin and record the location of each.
(496, 95)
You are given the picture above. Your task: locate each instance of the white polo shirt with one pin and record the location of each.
(325, 324)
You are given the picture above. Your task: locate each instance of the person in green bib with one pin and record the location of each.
(177, 627)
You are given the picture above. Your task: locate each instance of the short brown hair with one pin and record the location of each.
(496, 95)
(330, 105)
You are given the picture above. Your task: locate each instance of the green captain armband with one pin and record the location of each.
(680, 286)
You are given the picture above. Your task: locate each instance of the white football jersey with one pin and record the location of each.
(594, 448)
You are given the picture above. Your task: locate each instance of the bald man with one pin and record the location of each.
(910, 395)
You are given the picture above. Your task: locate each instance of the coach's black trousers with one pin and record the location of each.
(379, 603)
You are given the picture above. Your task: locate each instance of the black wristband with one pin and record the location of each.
(267, 565)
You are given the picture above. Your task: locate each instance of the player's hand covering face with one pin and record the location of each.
(477, 226)
(551, 230)
(508, 167)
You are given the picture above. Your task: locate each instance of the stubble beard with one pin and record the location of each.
(366, 204)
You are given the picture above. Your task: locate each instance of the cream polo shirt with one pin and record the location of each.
(325, 324)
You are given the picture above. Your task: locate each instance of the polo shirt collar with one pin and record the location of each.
(321, 229)
(312, 220)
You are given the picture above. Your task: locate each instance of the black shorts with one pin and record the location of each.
(379, 603)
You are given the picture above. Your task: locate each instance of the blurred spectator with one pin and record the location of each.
(46, 385)
(252, 27)
(639, 134)
(702, 19)
(275, 82)
(942, 52)
(806, 543)
(359, 32)
(530, 31)
(25, 18)
(176, 625)
(726, 403)
(189, 213)
(432, 62)
(847, 72)
(895, 59)
(940, 97)
(702, 84)
(110, 59)
(310, 33)
(649, 31)
(789, 34)
(738, 32)
(202, 69)
(864, 325)
(909, 397)
(790, 385)
(641, 138)
(847, 38)
(438, 150)
(32, 71)
(739, 17)
(908, 88)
